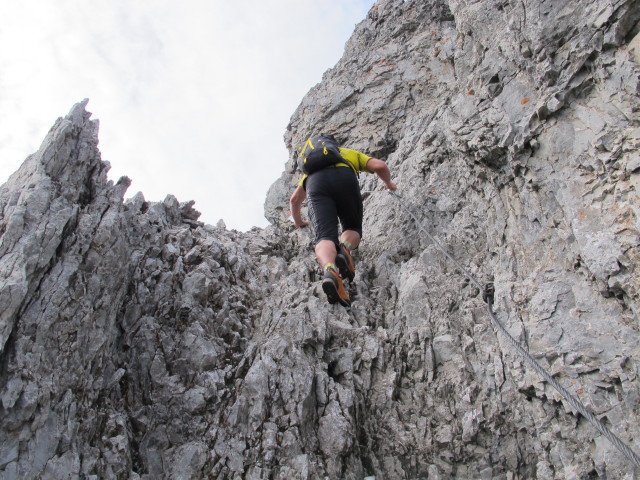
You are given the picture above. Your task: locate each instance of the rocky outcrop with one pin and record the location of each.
(137, 342)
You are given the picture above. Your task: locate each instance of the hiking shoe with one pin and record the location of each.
(344, 262)
(334, 288)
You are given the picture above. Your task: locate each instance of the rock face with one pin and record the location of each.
(137, 342)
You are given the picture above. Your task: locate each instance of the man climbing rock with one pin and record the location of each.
(334, 194)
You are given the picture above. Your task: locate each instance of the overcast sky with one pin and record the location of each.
(193, 97)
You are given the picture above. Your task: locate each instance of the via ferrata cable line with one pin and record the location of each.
(488, 297)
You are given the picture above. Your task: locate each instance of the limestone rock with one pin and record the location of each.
(139, 343)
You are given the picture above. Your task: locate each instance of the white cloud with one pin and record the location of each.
(193, 97)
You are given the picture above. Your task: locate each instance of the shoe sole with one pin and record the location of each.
(332, 293)
(342, 265)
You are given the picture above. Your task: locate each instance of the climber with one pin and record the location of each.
(334, 194)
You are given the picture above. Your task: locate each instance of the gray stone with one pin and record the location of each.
(137, 342)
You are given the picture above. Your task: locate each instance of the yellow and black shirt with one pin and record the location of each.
(356, 160)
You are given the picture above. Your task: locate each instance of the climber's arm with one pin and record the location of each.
(380, 168)
(295, 202)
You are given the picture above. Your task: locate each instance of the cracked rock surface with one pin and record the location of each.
(139, 343)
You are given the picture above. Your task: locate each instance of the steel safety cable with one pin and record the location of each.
(571, 399)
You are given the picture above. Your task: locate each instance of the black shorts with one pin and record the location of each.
(334, 193)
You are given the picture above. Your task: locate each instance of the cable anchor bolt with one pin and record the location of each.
(488, 293)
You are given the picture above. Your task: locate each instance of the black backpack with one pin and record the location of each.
(318, 152)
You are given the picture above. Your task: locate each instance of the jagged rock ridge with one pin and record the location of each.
(139, 343)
